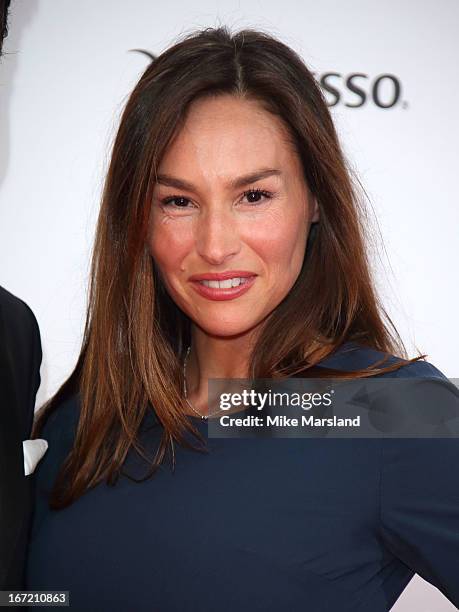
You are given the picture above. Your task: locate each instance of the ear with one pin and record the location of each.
(314, 210)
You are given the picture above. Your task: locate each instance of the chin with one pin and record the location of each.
(225, 329)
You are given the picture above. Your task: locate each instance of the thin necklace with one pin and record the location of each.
(203, 416)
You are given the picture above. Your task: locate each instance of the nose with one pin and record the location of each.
(217, 235)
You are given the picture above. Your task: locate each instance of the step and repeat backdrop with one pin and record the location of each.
(388, 71)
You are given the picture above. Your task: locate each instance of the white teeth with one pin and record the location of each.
(224, 284)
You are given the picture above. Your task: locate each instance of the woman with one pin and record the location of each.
(227, 166)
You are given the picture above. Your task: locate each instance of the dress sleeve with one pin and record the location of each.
(419, 501)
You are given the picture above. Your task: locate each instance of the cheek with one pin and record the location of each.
(168, 244)
(280, 240)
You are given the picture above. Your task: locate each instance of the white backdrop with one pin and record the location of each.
(68, 70)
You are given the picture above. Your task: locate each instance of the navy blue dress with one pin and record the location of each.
(270, 524)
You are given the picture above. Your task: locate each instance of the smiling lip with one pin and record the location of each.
(221, 275)
(219, 294)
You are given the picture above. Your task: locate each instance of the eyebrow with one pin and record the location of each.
(240, 181)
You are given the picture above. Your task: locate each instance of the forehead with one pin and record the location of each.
(226, 135)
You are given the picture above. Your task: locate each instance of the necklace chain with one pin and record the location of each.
(185, 393)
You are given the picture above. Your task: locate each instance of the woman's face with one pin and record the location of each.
(207, 218)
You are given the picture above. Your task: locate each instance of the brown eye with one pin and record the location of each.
(171, 199)
(254, 195)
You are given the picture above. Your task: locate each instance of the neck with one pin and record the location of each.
(215, 357)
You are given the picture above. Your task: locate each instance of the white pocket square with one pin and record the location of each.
(33, 452)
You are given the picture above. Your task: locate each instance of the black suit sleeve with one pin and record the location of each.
(25, 352)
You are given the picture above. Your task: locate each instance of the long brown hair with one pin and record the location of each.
(135, 336)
